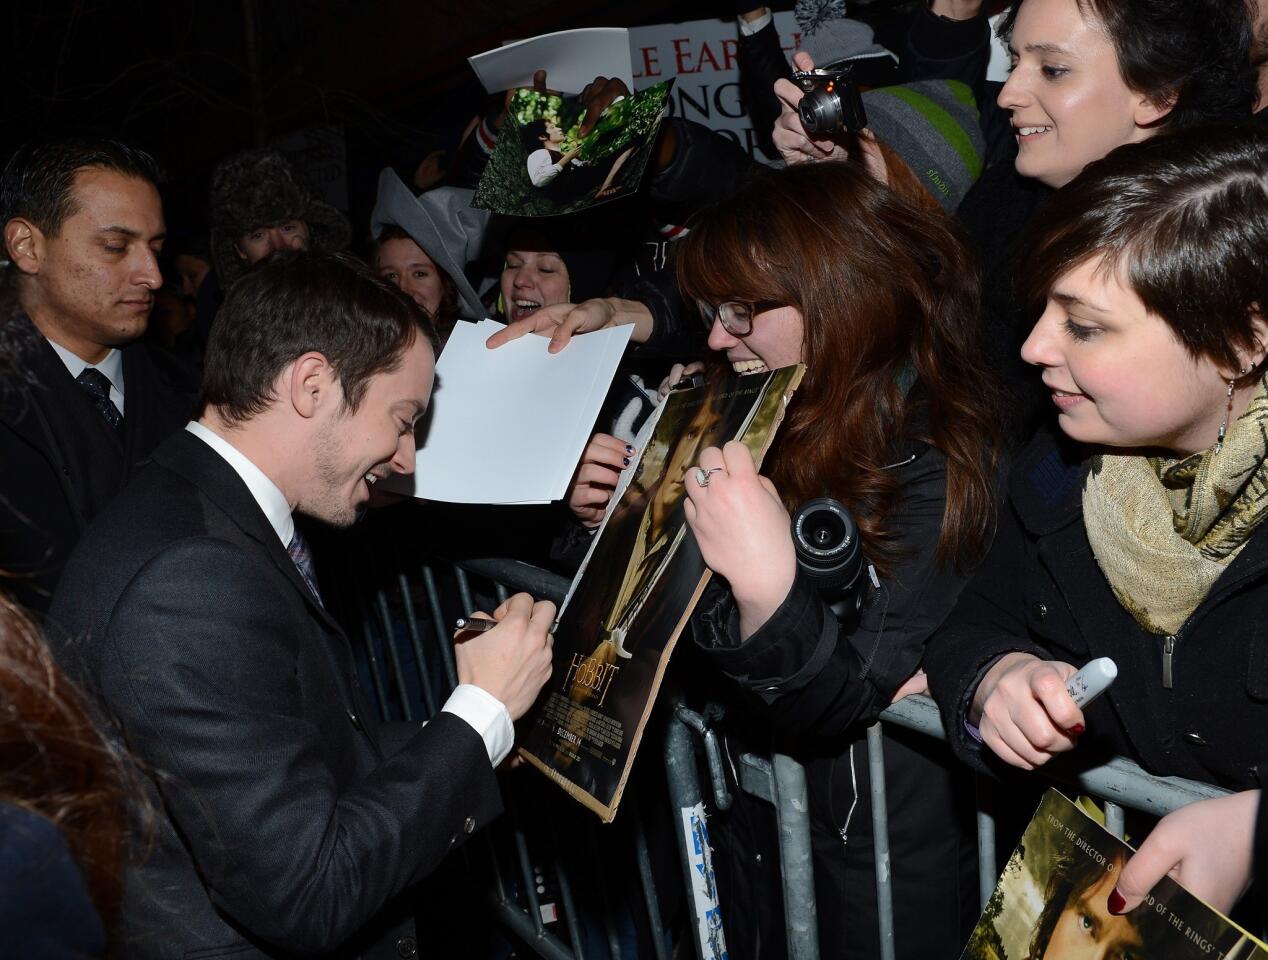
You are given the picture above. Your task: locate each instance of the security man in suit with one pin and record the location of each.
(85, 400)
(191, 607)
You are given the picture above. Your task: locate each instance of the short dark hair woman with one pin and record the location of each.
(1088, 76)
(876, 294)
(1136, 531)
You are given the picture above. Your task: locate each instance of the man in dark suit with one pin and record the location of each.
(86, 400)
(190, 606)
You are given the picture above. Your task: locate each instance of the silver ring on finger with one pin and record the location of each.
(703, 475)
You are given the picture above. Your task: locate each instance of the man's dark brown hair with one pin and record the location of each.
(297, 302)
(37, 182)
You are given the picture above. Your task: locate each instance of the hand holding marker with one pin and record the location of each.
(485, 624)
(1090, 682)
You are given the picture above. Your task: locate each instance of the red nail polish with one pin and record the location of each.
(1077, 729)
(1116, 904)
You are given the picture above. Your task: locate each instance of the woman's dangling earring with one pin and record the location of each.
(1228, 410)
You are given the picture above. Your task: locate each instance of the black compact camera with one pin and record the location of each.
(832, 102)
(829, 553)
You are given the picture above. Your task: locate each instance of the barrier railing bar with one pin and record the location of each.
(571, 917)
(757, 777)
(792, 813)
(416, 642)
(517, 575)
(498, 883)
(464, 591)
(372, 658)
(880, 839)
(526, 871)
(650, 898)
(1118, 781)
(543, 944)
(712, 752)
(1115, 819)
(684, 795)
(985, 838)
(441, 625)
(393, 655)
(781, 781)
(605, 900)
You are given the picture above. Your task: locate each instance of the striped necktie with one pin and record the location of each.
(302, 557)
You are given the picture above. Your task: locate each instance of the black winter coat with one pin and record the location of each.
(995, 213)
(816, 677)
(1040, 591)
(821, 681)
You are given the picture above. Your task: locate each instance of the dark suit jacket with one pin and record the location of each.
(285, 829)
(60, 462)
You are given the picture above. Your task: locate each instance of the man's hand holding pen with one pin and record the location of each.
(511, 657)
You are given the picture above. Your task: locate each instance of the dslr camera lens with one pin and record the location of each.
(826, 541)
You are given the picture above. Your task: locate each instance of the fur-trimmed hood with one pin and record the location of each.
(258, 188)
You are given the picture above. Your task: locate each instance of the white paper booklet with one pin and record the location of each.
(571, 59)
(509, 425)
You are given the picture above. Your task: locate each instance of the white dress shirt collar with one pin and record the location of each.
(485, 713)
(111, 368)
(271, 500)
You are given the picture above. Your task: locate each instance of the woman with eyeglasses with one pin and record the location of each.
(874, 291)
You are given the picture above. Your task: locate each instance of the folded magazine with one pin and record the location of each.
(1050, 903)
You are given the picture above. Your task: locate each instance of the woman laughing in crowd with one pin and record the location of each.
(823, 264)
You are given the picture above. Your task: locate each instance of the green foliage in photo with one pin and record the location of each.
(505, 186)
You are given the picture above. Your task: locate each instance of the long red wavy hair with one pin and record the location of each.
(886, 288)
(55, 762)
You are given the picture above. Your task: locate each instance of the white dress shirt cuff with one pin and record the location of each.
(750, 27)
(487, 715)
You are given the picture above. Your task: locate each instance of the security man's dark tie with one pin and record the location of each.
(302, 557)
(97, 386)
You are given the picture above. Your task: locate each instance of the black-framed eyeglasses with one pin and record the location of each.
(736, 316)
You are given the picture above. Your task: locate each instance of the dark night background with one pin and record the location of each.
(195, 82)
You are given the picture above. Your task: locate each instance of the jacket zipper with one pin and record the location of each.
(1210, 601)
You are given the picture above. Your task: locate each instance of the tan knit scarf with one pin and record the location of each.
(1164, 530)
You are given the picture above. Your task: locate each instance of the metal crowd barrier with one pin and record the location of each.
(406, 661)
(408, 667)
(1119, 784)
